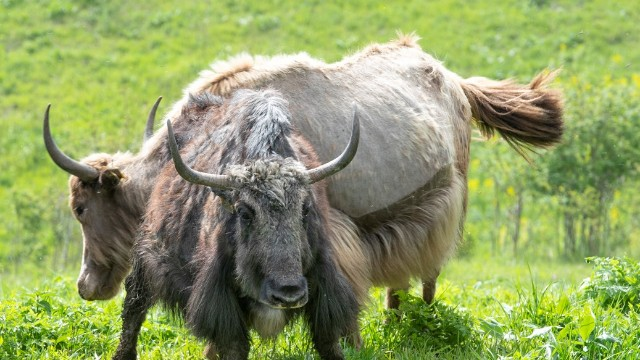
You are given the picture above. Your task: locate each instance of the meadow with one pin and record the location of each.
(520, 286)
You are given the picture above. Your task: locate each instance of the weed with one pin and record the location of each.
(615, 282)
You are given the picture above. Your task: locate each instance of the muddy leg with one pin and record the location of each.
(136, 303)
(239, 351)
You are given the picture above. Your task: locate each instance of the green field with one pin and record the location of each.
(516, 288)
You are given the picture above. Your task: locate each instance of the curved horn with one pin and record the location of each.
(345, 158)
(148, 130)
(196, 177)
(73, 167)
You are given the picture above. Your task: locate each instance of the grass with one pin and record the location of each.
(537, 311)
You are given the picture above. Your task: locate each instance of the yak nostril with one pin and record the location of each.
(291, 293)
(81, 294)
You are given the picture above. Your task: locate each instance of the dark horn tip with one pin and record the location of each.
(345, 157)
(169, 127)
(173, 145)
(196, 177)
(73, 167)
(148, 130)
(46, 113)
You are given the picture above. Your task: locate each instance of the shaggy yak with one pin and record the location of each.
(397, 210)
(255, 254)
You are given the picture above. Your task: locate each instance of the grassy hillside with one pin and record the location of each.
(102, 64)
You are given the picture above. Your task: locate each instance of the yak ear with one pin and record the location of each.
(213, 311)
(110, 178)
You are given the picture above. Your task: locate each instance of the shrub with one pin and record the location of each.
(615, 282)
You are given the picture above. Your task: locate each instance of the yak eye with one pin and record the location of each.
(79, 210)
(245, 213)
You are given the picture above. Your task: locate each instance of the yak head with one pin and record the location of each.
(269, 216)
(272, 217)
(109, 211)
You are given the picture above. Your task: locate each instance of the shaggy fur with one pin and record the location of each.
(198, 255)
(376, 245)
(506, 107)
(416, 126)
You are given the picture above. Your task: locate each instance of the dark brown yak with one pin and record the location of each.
(416, 126)
(256, 254)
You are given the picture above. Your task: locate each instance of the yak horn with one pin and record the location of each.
(197, 177)
(344, 159)
(83, 171)
(148, 130)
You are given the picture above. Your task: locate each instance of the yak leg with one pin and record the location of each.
(236, 353)
(136, 303)
(428, 292)
(353, 338)
(393, 301)
(333, 313)
(210, 352)
(429, 287)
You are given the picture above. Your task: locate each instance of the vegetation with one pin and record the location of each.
(476, 315)
(101, 65)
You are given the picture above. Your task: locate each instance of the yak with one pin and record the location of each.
(250, 248)
(396, 212)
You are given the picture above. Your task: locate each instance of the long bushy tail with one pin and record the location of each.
(525, 115)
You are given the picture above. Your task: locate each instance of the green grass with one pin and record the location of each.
(538, 311)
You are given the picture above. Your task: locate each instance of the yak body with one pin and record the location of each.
(253, 256)
(401, 202)
(414, 116)
(398, 209)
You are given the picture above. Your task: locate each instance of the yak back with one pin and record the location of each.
(414, 117)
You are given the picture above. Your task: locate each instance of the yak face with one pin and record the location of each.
(109, 210)
(109, 222)
(270, 238)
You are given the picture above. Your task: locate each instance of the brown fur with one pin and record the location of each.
(410, 102)
(107, 241)
(509, 108)
(254, 255)
(417, 241)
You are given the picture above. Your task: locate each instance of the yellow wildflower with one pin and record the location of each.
(616, 58)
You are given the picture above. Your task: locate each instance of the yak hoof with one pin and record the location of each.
(355, 340)
(125, 355)
(210, 352)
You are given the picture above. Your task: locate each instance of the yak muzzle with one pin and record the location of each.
(287, 293)
(98, 282)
